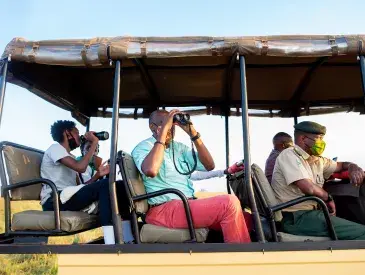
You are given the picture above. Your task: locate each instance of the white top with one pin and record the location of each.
(203, 175)
(87, 175)
(52, 169)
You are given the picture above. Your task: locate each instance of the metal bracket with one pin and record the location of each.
(32, 54)
(360, 48)
(35, 47)
(143, 43)
(265, 47)
(213, 48)
(84, 54)
(334, 46)
(307, 109)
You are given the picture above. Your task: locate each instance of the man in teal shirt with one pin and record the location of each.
(184, 161)
(155, 157)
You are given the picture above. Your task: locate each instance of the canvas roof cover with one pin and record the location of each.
(285, 74)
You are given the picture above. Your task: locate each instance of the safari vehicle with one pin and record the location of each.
(276, 76)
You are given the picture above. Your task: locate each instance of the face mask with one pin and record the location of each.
(72, 143)
(318, 147)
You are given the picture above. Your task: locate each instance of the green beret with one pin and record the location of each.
(310, 127)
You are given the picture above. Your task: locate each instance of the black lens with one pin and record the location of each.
(181, 118)
(177, 118)
(102, 135)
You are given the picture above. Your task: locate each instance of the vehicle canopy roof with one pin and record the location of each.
(286, 75)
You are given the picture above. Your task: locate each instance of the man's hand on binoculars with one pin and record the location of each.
(91, 137)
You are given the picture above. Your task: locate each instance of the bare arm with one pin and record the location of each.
(94, 178)
(356, 174)
(203, 153)
(80, 166)
(97, 161)
(308, 188)
(342, 166)
(152, 163)
(103, 170)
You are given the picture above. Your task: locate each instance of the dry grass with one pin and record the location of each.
(46, 264)
(36, 264)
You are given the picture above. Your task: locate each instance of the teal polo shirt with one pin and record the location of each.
(167, 177)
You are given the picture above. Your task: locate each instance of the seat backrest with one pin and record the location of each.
(266, 189)
(238, 186)
(22, 164)
(133, 179)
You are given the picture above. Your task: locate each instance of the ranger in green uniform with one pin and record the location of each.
(301, 170)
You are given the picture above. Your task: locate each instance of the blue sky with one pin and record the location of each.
(27, 119)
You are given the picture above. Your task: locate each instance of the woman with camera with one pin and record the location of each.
(61, 167)
(96, 169)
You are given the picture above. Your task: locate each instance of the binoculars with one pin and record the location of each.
(100, 135)
(182, 119)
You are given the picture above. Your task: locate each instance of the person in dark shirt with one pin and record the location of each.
(281, 141)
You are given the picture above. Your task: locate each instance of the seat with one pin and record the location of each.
(138, 198)
(71, 221)
(285, 237)
(265, 194)
(20, 175)
(157, 234)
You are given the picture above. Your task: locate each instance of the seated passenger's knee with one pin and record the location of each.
(231, 202)
(234, 201)
(104, 183)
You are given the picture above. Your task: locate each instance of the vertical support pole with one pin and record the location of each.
(117, 223)
(3, 75)
(227, 145)
(362, 68)
(5, 194)
(295, 120)
(88, 125)
(246, 148)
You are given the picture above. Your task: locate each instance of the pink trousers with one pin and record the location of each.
(222, 212)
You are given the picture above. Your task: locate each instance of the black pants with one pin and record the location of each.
(96, 191)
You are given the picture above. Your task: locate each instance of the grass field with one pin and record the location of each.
(45, 264)
(36, 264)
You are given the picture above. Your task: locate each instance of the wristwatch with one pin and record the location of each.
(160, 142)
(330, 198)
(194, 138)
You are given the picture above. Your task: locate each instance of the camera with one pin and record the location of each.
(182, 119)
(100, 135)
